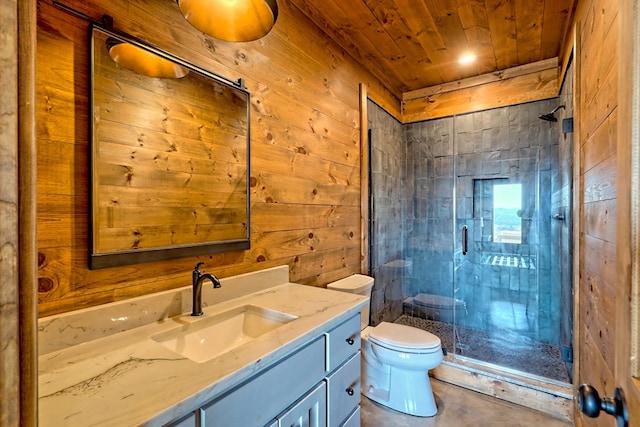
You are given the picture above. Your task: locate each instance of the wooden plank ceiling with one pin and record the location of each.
(413, 44)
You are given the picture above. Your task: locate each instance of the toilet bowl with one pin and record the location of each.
(395, 358)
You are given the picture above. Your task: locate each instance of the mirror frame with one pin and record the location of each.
(129, 257)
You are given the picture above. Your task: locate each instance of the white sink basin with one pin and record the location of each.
(205, 338)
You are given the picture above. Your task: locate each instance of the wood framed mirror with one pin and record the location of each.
(169, 158)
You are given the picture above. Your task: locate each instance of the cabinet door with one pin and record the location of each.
(310, 411)
(343, 391)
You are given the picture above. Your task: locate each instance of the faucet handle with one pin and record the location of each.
(197, 267)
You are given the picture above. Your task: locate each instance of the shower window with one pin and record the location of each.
(498, 210)
(507, 213)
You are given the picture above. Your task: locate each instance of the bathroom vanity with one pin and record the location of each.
(324, 373)
(294, 359)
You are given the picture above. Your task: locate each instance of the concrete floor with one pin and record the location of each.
(459, 407)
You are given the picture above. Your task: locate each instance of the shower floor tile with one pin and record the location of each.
(504, 348)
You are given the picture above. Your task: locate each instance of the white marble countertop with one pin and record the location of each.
(104, 376)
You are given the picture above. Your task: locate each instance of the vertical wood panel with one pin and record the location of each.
(578, 334)
(364, 182)
(597, 187)
(628, 267)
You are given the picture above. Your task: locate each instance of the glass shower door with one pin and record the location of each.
(503, 246)
(496, 274)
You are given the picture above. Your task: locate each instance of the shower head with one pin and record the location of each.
(550, 117)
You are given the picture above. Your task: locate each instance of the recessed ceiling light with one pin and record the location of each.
(466, 59)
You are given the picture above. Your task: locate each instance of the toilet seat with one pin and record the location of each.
(404, 338)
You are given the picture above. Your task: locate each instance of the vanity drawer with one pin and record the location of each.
(260, 400)
(342, 342)
(343, 391)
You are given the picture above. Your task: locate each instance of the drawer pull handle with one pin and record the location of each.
(350, 341)
(350, 391)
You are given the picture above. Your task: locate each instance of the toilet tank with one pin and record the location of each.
(356, 284)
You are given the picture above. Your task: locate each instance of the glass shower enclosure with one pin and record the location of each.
(475, 257)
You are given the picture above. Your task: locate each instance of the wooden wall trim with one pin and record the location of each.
(628, 231)
(577, 203)
(526, 83)
(627, 367)
(27, 225)
(496, 76)
(9, 246)
(565, 58)
(568, 45)
(628, 184)
(364, 181)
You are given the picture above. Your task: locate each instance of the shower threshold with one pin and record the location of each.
(542, 394)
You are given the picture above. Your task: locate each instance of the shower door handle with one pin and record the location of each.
(465, 240)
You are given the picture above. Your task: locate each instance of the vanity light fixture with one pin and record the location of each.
(142, 61)
(231, 20)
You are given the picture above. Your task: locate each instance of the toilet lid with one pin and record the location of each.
(403, 337)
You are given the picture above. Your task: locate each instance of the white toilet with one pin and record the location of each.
(395, 358)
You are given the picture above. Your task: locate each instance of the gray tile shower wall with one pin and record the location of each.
(391, 198)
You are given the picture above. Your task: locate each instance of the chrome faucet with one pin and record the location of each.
(197, 278)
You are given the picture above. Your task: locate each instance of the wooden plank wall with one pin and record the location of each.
(305, 151)
(531, 82)
(597, 112)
